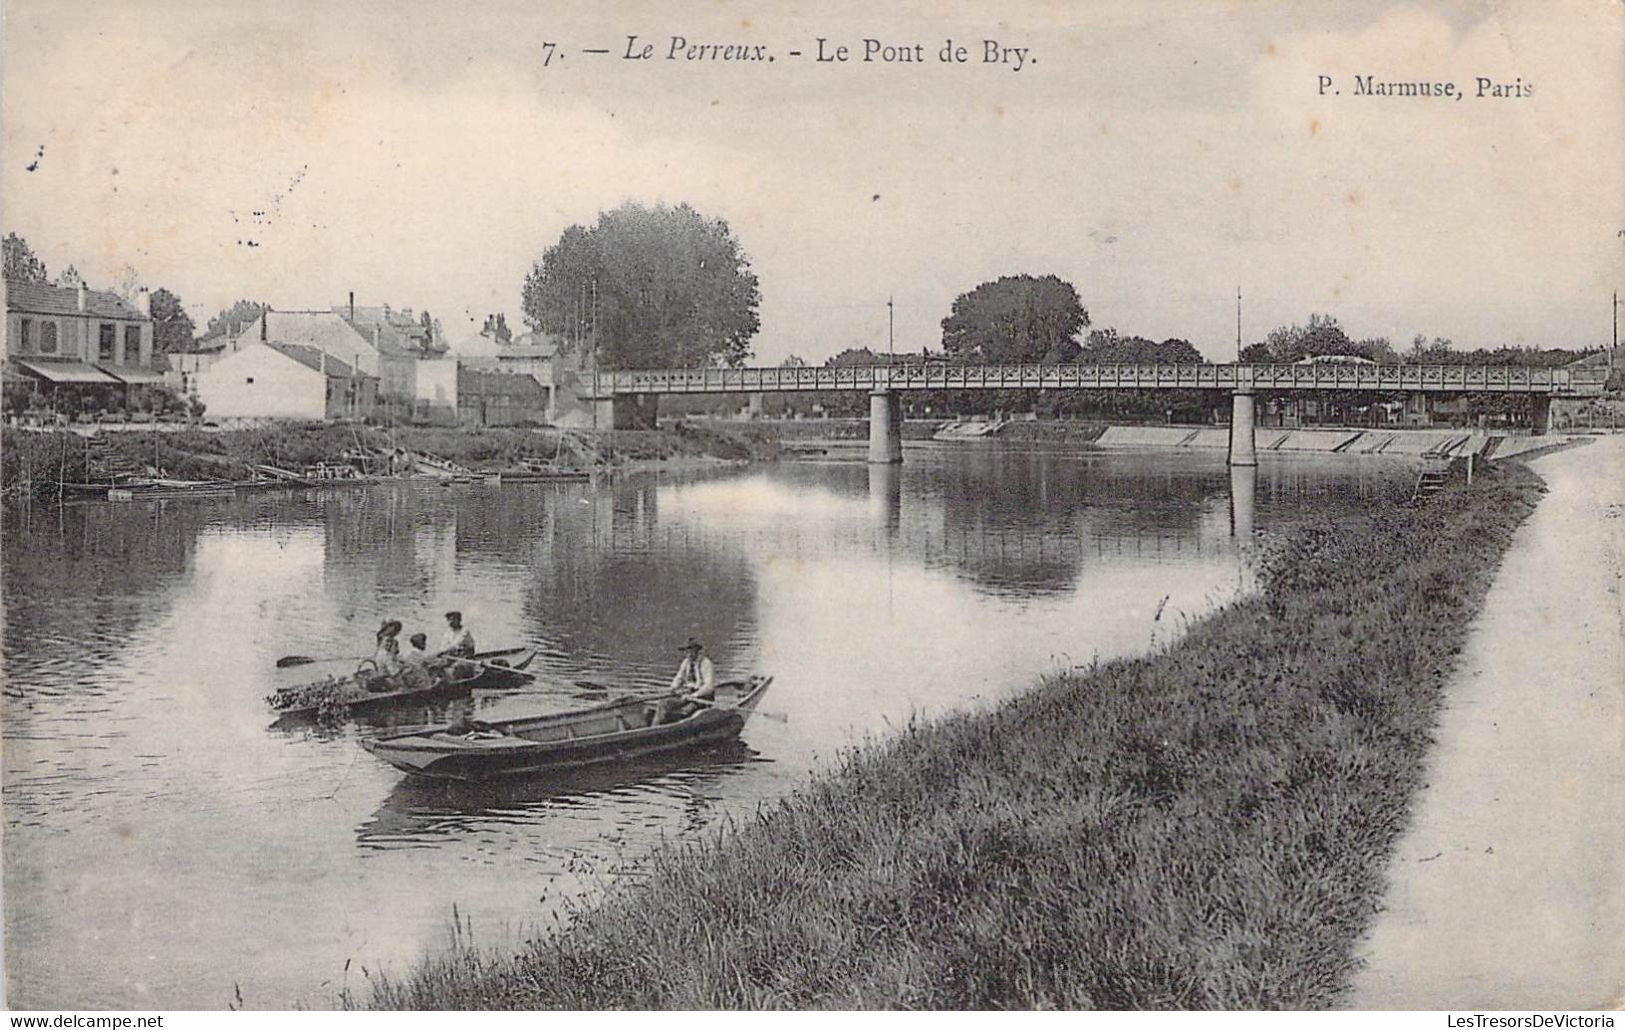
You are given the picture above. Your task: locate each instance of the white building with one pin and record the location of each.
(277, 380)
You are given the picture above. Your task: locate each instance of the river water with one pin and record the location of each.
(166, 846)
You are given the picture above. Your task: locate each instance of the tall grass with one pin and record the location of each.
(1202, 828)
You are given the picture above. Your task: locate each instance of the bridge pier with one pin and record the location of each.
(626, 411)
(1242, 449)
(1540, 414)
(885, 427)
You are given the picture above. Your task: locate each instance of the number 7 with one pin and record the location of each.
(547, 53)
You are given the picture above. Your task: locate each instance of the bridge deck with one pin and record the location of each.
(1318, 377)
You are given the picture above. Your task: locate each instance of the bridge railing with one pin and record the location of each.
(1322, 376)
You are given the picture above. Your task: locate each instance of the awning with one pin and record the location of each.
(66, 372)
(133, 376)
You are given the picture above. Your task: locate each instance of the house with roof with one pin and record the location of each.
(285, 380)
(545, 358)
(399, 328)
(73, 346)
(385, 343)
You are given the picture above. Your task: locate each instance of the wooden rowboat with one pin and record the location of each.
(350, 693)
(610, 732)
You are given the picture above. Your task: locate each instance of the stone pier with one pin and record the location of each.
(885, 427)
(626, 411)
(1242, 449)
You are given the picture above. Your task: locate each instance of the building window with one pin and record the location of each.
(25, 345)
(47, 337)
(104, 346)
(132, 345)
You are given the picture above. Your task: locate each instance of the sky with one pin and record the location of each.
(1158, 155)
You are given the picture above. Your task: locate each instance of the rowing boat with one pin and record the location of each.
(351, 693)
(610, 732)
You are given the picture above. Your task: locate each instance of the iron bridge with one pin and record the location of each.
(1229, 377)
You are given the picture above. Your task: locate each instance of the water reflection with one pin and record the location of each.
(885, 495)
(149, 810)
(419, 813)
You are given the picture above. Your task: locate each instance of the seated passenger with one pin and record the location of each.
(458, 641)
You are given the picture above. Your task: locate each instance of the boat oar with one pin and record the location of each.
(656, 693)
(507, 669)
(287, 661)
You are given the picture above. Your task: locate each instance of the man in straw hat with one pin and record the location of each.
(696, 680)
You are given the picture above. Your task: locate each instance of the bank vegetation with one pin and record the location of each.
(1205, 827)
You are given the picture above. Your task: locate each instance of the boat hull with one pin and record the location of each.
(603, 734)
(490, 677)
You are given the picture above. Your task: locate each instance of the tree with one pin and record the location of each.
(1106, 347)
(172, 327)
(232, 319)
(1014, 319)
(1322, 336)
(649, 287)
(71, 278)
(21, 264)
(497, 327)
(129, 284)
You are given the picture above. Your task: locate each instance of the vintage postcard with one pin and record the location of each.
(1090, 505)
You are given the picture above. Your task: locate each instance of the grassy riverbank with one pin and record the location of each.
(40, 460)
(1205, 827)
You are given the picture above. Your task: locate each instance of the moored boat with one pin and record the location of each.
(610, 732)
(488, 671)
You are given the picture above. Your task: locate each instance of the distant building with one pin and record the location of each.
(71, 346)
(387, 343)
(282, 380)
(547, 358)
(185, 366)
(500, 398)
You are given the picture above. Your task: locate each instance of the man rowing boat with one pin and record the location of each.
(696, 680)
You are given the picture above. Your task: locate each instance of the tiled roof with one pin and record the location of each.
(322, 330)
(395, 335)
(44, 299)
(311, 357)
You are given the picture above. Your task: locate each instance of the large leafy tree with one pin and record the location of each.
(232, 319)
(1016, 318)
(1107, 347)
(172, 327)
(648, 287)
(22, 266)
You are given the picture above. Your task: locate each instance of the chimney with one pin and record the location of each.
(352, 305)
(84, 295)
(143, 302)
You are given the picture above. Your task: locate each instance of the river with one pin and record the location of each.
(166, 846)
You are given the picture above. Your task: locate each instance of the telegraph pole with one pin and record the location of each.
(1238, 325)
(891, 331)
